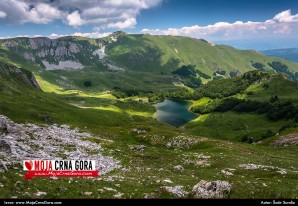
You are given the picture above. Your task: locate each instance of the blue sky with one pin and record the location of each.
(262, 24)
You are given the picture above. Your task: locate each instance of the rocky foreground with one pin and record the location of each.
(20, 142)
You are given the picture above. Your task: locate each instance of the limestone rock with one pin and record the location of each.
(119, 195)
(228, 172)
(288, 140)
(88, 193)
(208, 190)
(36, 43)
(40, 194)
(183, 142)
(9, 126)
(29, 56)
(255, 167)
(167, 181)
(74, 48)
(3, 167)
(138, 147)
(178, 168)
(48, 142)
(177, 191)
(10, 44)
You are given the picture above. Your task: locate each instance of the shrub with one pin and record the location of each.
(269, 133)
(88, 83)
(259, 66)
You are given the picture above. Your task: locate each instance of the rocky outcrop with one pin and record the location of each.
(101, 51)
(43, 47)
(36, 43)
(256, 167)
(211, 190)
(263, 167)
(114, 37)
(227, 172)
(203, 190)
(137, 147)
(74, 48)
(183, 142)
(178, 168)
(10, 127)
(61, 51)
(287, 140)
(65, 53)
(177, 191)
(29, 56)
(10, 43)
(19, 142)
(19, 74)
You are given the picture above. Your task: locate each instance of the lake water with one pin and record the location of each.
(174, 112)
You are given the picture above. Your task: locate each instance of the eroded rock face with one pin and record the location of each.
(29, 56)
(19, 142)
(61, 51)
(10, 44)
(74, 48)
(209, 190)
(20, 74)
(36, 43)
(65, 53)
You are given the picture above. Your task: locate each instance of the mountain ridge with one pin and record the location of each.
(290, 54)
(135, 60)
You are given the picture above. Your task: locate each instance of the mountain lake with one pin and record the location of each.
(174, 112)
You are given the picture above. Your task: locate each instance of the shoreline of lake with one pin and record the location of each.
(174, 112)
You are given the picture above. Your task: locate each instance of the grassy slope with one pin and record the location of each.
(171, 51)
(232, 125)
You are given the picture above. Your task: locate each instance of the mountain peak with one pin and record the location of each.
(117, 34)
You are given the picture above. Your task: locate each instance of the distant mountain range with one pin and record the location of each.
(288, 54)
(131, 62)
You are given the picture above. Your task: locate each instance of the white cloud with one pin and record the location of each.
(74, 19)
(56, 36)
(18, 11)
(128, 23)
(100, 13)
(94, 35)
(283, 23)
(22, 35)
(2, 14)
(286, 17)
